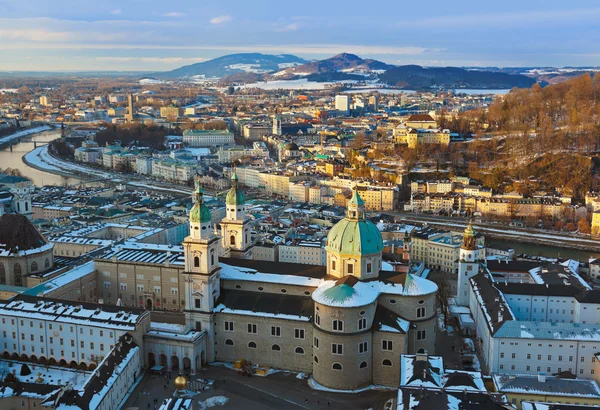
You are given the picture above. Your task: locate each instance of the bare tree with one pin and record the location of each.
(443, 294)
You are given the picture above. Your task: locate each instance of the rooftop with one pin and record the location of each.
(528, 384)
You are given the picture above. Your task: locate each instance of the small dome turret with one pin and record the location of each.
(235, 196)
(199, 212)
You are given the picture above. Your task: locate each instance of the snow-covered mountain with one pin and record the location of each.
(235, 63)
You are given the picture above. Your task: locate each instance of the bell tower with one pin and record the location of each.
(468, 265)
(201, 274)
(235, 227)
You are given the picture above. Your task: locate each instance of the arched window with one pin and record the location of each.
(363, 365)
(212, 258)
(252, 345)
(34, 266)
(229, 342)
(232, 240)
(26, 206)
(2, 275)
(299, 350)
(386, 362)
(196, 262)
(18, 275)
(276, 348)
(47, 263)
(336, 366)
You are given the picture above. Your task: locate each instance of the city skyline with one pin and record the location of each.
(152, 36)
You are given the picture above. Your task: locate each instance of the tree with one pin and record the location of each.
(584, 226)
(442, 296)
(25, 370)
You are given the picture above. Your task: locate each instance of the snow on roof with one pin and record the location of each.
(224, 309)
(549, 331)
(404, 325)
(229, 272)
(528, 384)
(432, 364)
(62, 280)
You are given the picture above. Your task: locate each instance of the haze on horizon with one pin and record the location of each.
(38, 35)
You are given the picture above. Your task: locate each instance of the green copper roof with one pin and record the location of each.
(235, 196)
(354, 237)
(199, 212)
(356, 199)
(339, 293)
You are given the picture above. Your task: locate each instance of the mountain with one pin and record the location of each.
(233, 64)
(417, 77)
(341, 63)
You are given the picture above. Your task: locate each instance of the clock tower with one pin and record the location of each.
(201, 274)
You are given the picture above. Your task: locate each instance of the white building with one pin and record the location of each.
(207, 138)
(342, 103)
(143, 165)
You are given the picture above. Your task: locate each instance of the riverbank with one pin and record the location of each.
(41, 159)
(8, 139)
(527, 237)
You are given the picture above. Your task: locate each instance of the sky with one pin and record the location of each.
(152, 35)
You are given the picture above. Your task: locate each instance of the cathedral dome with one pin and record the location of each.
(355, 235)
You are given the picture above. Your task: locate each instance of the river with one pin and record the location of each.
(543, 250)
(13, 159)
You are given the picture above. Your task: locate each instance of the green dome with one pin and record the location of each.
(200, 213)
(352, 237)
(235, 197)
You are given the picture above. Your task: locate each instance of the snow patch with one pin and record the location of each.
(213, 402)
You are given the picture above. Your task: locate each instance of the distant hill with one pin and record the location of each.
(233, 64)
(343, 63)
(417, 77)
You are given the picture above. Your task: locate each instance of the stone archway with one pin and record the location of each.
(151, 360)
(174, 363)
(163, 360)
(149, 304)
(187, 365)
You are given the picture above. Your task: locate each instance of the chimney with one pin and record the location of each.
(424, 374)
(542, 377)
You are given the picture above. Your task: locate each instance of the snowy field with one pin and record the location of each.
(301, 84)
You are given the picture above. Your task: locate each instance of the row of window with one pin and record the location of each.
(275, 330)
(539, 357)
(548, 369)
(253, 345)
(362, 365)
(50, 327)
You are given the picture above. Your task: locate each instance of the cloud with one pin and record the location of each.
(220, 19)
(288, 27)
(116, 12)
(174, 14)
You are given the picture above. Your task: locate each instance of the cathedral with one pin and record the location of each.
(346, 323)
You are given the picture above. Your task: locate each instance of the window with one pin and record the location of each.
(337, 348)
(276, 348)
(316, 359)
(336, 366)
(252, 345)
(316, 342)
(386, 362)
(386, 345)
(318, 319)
(197, 304)
(229, 326)
(363, 365)
(502, 355)
(332, 265)
(276, 331)
(232, 240)
(363, 347)
(362, 323)
(549, 357)
(338, 325)
(514, 356)
(196, 262)
(393, 301)
(299, 334)
(420, 312)
(299, 350)
(350, 269)
(369, 267)
(252, 328)
(421, 334)
(229, 342)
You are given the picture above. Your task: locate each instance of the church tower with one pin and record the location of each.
(277, 125)
(406, 244)
(201, 274)
(235, 227)
(468, 265)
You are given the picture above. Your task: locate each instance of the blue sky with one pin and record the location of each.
(161, 35)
